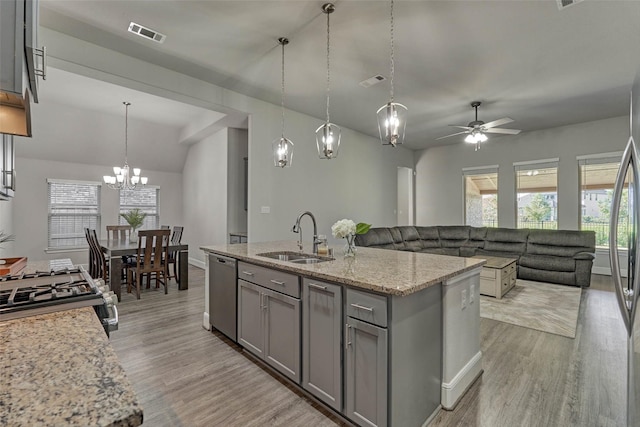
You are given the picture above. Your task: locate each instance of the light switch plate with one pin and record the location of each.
(265, 209)
(472, 293)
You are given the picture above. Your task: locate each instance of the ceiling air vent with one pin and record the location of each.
(372, 81)
(147, 33)
(562, 4)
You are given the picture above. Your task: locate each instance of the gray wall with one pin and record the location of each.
(361, 184)
(439, 182)
(204, 194)
(30, 203)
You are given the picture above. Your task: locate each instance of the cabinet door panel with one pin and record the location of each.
(322, 341)
(282, 333)
(366, 373)
(250, 317)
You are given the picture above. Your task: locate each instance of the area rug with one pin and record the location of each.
(546, 307)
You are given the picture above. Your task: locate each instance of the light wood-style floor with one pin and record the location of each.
(187, 376)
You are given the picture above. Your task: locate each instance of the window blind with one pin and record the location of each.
(72, 207)
(145, 199)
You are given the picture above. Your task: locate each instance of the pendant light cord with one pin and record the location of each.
(328, 64)
(392, 62)
(126, 131)
(283, 42)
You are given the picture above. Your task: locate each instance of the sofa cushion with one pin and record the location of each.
(506, 240)
(453, 236)
(376, 238)
(410, 237)
(545, 262)
(442, 251)
(467, 251)
(477, 236)
(564, 243)
(429, 237)
(501, 254)
(397, 239)
(562, 277)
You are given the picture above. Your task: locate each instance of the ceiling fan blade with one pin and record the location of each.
(453, 134)
(505, 131)
(461, 127)
(498, 122)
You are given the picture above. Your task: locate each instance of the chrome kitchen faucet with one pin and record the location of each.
(298, 229)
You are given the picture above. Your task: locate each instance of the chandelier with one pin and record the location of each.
(282, 147)
(328, 135)
(123, 179)
(392, 116)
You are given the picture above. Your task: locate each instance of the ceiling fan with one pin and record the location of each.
(477, 129)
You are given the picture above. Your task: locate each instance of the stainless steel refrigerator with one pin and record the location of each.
(626, 199)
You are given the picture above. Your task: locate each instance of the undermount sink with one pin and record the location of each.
(296, 257)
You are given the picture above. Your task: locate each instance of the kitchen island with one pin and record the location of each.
(386, 338)
(58, 369)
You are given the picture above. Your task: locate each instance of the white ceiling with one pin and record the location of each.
(527, 60)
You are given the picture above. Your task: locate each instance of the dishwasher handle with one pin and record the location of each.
(223, 261)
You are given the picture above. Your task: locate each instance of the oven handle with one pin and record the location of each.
(112, 323)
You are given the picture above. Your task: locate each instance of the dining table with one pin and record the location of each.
(115, 249)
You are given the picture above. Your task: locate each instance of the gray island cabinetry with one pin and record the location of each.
(269, 317)
(373, 338)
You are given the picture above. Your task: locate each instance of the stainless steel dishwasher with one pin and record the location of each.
(223, 295)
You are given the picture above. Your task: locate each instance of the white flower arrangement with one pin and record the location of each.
(346, 227)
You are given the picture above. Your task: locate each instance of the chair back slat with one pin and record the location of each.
(118, 232)
(177, 235)
(153, 247)
(100, 268)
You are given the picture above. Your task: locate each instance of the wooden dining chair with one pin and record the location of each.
(93, 263)
(101, 263)
(176, 237)
(118, 232)
(153, 252)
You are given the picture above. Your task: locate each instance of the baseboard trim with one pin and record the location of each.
(432, 416)
(454, 390)
(205, 321)
(197, 263)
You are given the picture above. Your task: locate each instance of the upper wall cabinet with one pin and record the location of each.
(21, 63)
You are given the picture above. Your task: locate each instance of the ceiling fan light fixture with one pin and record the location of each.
(328, 135)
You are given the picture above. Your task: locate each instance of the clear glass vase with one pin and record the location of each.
(350, 247)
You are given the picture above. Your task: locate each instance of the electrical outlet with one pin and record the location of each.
(472, 293)
(464, 298)
(265, 209)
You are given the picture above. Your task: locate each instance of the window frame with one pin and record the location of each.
(595, 159)
(533, 165)
(478, 170)
(142, 207)
(51, 215)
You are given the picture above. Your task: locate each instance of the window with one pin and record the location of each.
(481, 196)
(597, 178)
(537, 194)
(73, 206)
(145, 199)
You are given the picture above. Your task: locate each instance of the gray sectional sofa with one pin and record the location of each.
(556, 256)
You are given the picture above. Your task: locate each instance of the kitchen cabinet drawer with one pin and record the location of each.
(508, 269)
(279, 281)
(365, 306)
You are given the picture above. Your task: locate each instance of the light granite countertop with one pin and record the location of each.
(59, 369)
(386, 271)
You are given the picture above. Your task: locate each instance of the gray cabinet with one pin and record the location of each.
(269, 326)
(322, 341)
(7, 167)
(19, 69)
(366, 359)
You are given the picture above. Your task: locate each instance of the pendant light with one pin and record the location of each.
(123, 179)
(328, 135)
(282, 147)
(392, 116)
